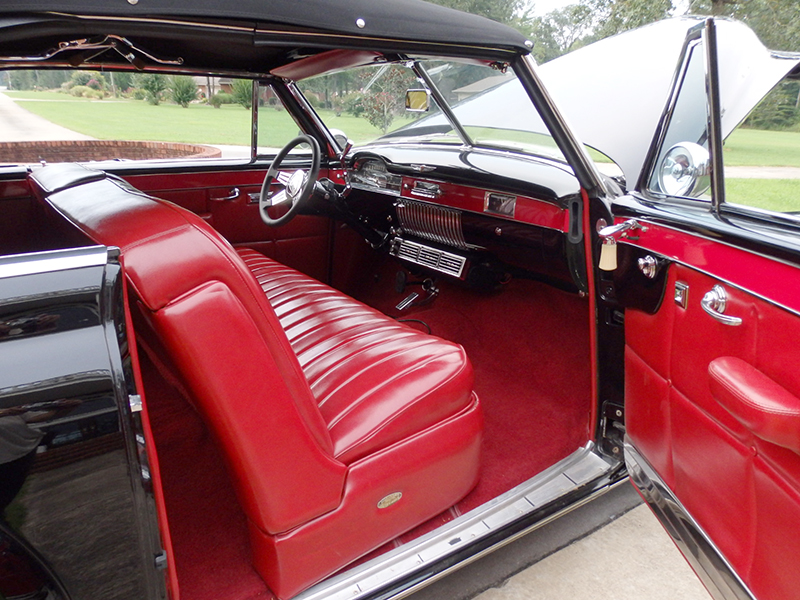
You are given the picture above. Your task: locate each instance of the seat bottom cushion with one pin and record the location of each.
(376, 380)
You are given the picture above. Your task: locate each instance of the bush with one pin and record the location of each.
(81, 78)
(91, 79)
(243, 92)
(183, 90)
(215, 101)
(314, 101)
(223, 98)
(138, 94)
(80, 91)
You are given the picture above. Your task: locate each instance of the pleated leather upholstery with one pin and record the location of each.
(376, 380)
(318, 423)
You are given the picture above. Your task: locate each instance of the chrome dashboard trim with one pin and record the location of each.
(425, 256)
(705, 558)
(431, 222)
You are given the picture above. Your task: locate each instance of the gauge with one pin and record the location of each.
(373, 175)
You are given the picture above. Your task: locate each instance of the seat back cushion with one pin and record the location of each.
(231, 352)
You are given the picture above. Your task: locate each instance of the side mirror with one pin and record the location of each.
(340, 137)
(418, 100)
(342, 140)
(685, 170)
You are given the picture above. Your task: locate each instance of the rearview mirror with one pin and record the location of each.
(418, 100)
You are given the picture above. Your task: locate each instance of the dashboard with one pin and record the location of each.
(448, 213)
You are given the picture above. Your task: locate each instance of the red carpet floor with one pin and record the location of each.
(530, 349)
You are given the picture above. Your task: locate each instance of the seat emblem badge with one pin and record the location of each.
(387, 501)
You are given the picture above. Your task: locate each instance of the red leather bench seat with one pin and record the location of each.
(319, 429)
(376, 381)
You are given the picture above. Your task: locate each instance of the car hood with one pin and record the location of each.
(613, 93)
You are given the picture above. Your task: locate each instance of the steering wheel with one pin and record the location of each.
(297, 186)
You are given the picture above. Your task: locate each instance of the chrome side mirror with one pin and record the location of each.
(685, 170)
(342, 141)
(418, 100)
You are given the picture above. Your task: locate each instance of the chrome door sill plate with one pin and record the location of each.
(581, 467)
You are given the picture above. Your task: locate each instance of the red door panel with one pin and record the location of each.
(222, 198)
(715, 409)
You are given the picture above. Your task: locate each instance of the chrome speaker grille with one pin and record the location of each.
(439, 260)
(430, 222)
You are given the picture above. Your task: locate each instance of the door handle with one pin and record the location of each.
(232, 196)
(714, 303)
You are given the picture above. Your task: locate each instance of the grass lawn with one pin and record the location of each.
(31, 95)
(753, 147)
(781, 195)
(200, 124)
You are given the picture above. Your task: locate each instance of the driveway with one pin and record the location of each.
(19, 125)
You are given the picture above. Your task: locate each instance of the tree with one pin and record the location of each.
(560, 31)
(776, 24)
(380, 109)
(383, 93)
(154, 86)
(183, 90)
(616, 16)
(778, 111)
(242, 91)
(124, 81)
(774, 21)
(503, 11)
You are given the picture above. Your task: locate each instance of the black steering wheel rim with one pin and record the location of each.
(295, 191)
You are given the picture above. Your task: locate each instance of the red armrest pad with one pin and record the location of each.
(762, 405)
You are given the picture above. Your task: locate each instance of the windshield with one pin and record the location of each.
(492, 108)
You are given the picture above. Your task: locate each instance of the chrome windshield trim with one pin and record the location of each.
(705, 558)
(56, 260)
(421, 72)
(580, 468)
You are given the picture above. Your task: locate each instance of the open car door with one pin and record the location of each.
(711, 298)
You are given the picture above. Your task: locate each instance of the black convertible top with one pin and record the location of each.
(412, 20)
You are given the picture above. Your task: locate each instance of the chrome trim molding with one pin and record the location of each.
(431, 222)
(433, 258)
(711, 567)
(582, 467)
(56, 260)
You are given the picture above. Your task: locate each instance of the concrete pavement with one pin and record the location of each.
(632, 558)
(609, 549)
(20, 125)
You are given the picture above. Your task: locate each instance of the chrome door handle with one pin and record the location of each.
(714, 303)
(232, 196)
